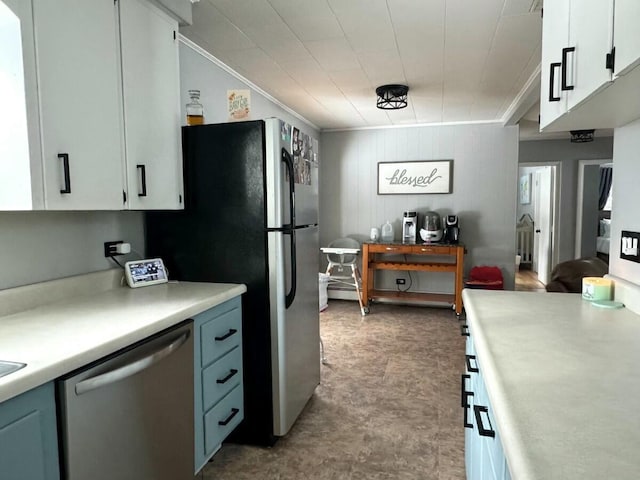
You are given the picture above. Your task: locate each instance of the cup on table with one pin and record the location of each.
(375, 234)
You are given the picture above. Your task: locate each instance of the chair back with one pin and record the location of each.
(345, 258)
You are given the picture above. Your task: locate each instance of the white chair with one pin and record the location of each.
(342, 255)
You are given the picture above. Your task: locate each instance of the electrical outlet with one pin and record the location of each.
(629, 246)
(400, 281)
(110, 248)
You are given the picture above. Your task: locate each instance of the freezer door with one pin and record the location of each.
(295, 331)
(305, 177)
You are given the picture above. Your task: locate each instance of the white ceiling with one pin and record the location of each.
(463, 60)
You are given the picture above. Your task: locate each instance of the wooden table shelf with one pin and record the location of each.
(375, 257)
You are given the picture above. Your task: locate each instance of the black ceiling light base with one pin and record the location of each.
(581, 136)
(392, 97)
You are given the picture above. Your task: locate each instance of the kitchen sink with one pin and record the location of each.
(9, 367)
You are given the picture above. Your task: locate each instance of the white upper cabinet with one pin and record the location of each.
(590, 49)
(90, 96)
(20, 163)
(555, 37)
(585, 57)
(81, 117)
(151, 89)
(626, 36)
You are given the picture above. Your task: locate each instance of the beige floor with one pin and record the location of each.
(527, 281)
(388, 406)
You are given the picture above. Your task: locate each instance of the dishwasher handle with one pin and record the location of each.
(130, 369)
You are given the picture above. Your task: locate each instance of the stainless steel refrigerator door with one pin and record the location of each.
(131, 417)
(306, 195)
(295, 331)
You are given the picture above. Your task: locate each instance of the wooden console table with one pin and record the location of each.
(373, 258)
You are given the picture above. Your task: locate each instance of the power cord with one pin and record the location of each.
(410, 279)
(116, 262)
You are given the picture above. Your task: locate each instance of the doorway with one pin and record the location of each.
(541, 205)
(591, 239)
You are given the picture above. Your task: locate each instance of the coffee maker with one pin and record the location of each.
(409, 224)
(451, 229)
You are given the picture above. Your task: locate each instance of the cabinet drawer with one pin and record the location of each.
(220, 335)
(220, 421)
(432, 250)
(389, 248)
(221, 377)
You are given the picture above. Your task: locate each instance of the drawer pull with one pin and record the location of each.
(426, 250)
(484, 432)
(466, 409)
(234, 412)
(464, 329)
(469, 367)
(232, 372)
(463, 390)
(391, 249)
(231, 331)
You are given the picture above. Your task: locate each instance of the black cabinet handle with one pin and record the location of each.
(485, 432)
(226, 335)
(65, 169)
(143, 180)
(234, 412)
(463, 390)
(565, 52)
(464, 330)
(232, 372)
(552, 81)
(466, 406)
(469, 367)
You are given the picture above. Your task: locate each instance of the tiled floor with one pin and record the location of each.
(388, 406)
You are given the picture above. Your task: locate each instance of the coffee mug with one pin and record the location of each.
(375, 234)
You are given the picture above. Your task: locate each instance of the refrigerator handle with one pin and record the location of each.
(291, 295)
(288, 161)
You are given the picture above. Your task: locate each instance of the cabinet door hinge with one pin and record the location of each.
(179, 198)
(542, 12)
(174, 34)
(611, 59)
(124, 196)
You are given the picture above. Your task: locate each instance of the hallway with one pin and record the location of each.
(527, 281)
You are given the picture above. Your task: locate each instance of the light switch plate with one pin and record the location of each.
(630, 246)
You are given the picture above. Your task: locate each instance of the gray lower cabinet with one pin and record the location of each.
(28, 436)
(219, 394)
(484, 456)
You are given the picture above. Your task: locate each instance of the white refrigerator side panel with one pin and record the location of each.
(277, 188)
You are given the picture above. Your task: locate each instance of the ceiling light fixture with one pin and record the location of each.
(581, 136)
(392, 97)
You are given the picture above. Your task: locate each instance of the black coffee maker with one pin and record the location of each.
(451, 229)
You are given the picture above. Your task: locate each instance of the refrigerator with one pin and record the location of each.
(251, 216)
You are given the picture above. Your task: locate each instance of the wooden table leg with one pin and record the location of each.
(365, 276)
(459, 279)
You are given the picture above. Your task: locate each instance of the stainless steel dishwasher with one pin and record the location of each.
(130, 416)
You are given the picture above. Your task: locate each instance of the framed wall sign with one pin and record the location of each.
(525, 189)
(402, 178)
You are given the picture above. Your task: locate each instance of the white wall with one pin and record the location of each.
(484, 188)
(40, 246)
(568, 154)
(626, 197)
(199, 72)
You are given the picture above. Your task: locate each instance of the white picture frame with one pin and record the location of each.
(524, 188)
(415, 177)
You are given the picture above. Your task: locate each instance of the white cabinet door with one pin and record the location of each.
(555, 37)
(151, 88)
(626, 38)
(20, 167)
(80, 104)
(591, 34)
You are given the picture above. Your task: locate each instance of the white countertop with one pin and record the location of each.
(57, 337)
(563, 378)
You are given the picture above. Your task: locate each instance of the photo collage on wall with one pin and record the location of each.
(304, 150)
